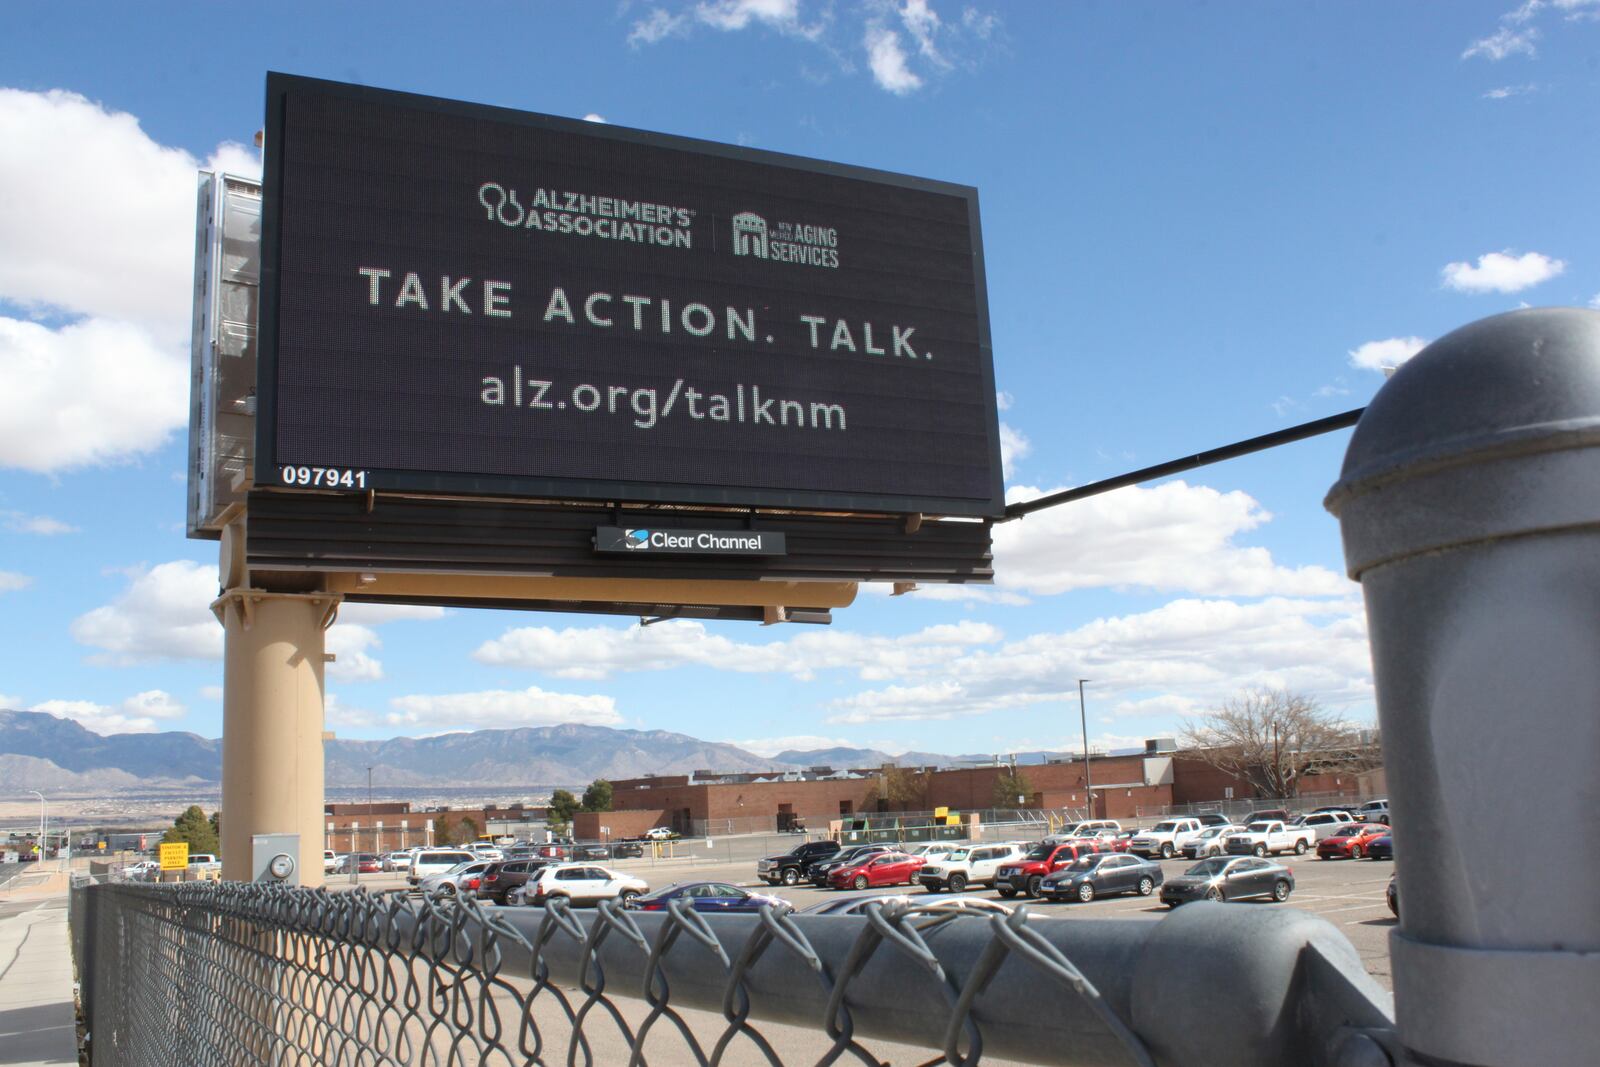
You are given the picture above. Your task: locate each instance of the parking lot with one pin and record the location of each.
(1347, 893)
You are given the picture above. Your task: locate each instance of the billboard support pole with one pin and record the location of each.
(272, 711)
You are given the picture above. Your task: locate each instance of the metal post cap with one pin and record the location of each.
(1471, 406)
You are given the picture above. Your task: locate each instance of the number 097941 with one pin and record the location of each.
(323, 477)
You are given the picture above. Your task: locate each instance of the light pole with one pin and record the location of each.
(1088, 777)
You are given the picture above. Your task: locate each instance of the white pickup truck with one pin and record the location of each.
(1166, 837)
(1260, 838)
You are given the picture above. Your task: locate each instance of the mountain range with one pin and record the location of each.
(41, 751)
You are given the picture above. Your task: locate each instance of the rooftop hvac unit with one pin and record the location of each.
(1155, 745)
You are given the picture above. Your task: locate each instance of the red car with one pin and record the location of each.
(1103, 840)
(1350, 842)
(1027, 874)
(886, 868)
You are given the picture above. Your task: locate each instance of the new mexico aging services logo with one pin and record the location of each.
(785, 242)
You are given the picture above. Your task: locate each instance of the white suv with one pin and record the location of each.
(1166, 837)
(977, 865)
(581, 884)
(436, 861)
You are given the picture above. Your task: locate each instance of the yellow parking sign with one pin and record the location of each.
(175, 857)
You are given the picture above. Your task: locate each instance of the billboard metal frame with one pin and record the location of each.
(457, 484)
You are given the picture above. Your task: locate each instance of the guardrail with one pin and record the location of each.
(237, 973)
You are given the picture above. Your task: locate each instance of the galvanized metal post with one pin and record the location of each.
(1470, 509)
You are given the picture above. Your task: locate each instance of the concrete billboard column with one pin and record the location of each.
(272, 709)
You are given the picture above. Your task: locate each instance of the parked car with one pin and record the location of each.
(886, 868)
(1166, 837)
(551, 851)
(821, 869)
(1325, 823)
(978, 865)
(1105, 840)
(660, 833)
(1086, 827)
(399, 861)
(1266, 815)
(1374, 811)
(143, 871)
(330, 861)
(1271, 836)
(499, 879)
(1102, 874)
(856, 905)
(581, 884)
(1026, 873)
(790, 867)
(1209, 842)
(590, 852)
(1213, 818)
(929, 849)
(716, 897)
(465, 878)
(1230, 878)
(1393, 896)
(1381, 848)
(623, 850)
(436, 861)
(1351, 842)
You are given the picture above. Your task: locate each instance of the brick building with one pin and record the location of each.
(390, 826)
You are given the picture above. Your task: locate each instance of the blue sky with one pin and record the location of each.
(1201, 223)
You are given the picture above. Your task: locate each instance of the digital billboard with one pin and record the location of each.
(476, 301)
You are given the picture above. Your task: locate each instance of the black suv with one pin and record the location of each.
(499, 879)
(790, 867)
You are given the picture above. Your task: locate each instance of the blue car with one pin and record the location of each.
(709, 896)
(1381, 848)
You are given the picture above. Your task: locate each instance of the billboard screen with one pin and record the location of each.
(470, 300)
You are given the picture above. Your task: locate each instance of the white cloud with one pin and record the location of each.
(771, 746)
(1507, 91)
(595, 116)
(164, 613)
(657, 26)
(502, 708)
(211, 692)
(10, 703)
(349, 644)
(1003, 400)
(137, 715)
(1169, 537)
(887, 60)
(97, 223)
(1502, 272)
(154, 704)
(64, 393)
(1390, 352)
(43, 525)
(1013, 446)
(738, 14)
(11, 581)
(1182, 656)
(599, 652)
(1504, 42)
(1594, 301)
(922, 23)
(377, 614)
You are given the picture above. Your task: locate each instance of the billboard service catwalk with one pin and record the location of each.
(469, 300)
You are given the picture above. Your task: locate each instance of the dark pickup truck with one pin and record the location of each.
(790, 867)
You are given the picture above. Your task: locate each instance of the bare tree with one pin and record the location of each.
(899, 789)
(1272, 738)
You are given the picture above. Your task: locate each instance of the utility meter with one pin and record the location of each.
(274, 858)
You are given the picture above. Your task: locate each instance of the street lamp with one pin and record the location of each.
(1088, 778)
(40, 795)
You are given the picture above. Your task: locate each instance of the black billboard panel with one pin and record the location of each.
(476, 301)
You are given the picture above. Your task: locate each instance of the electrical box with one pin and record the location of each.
(275, 858)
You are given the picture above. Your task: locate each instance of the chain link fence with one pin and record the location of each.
(237, 974)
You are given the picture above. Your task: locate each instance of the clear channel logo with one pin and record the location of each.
(785, 242)
(636, 540)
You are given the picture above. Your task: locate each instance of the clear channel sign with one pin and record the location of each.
(471, 300)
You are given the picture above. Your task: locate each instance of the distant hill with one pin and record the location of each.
(47, 753)
(842, 757)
